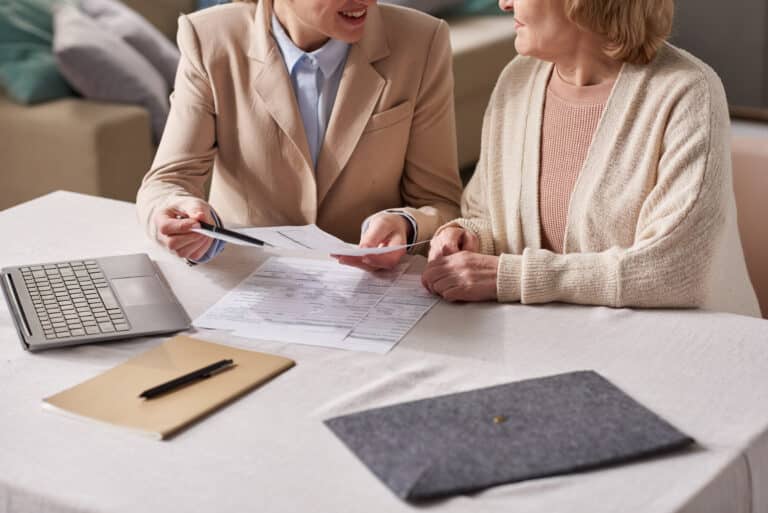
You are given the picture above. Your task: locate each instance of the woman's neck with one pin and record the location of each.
(302, 36)
(587, 64)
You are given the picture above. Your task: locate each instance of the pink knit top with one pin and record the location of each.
(571, 115)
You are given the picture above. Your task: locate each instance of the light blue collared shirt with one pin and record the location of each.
(315, 77)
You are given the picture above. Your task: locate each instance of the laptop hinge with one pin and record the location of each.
(13, 296)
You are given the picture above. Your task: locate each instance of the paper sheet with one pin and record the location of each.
(307, 238)
(320, 302)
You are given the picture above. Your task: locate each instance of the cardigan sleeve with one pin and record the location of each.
(476, 217)
(677, 232)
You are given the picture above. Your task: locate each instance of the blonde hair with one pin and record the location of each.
(635, 29)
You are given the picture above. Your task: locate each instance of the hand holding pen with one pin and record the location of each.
(175, 222)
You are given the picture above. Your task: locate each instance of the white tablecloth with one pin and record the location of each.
(707, 373)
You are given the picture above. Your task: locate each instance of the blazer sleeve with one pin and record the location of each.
(185, 156)
(430, 186)
(678, 231)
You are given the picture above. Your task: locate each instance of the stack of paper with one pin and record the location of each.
(320, 302)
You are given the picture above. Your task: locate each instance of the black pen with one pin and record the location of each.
(186, 379)
(230, 233)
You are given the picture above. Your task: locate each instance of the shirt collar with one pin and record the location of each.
(329, 56)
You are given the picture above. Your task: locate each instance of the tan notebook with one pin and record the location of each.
(113, 396)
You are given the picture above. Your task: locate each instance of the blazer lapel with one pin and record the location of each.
(359, 92)
(272, 83)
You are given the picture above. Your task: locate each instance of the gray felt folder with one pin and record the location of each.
(535, 428)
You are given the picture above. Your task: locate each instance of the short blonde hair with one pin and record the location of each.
(635, 29)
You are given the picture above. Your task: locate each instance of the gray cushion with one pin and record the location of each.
(137, 32)
(101, 66)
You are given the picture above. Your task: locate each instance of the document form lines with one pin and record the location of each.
(320, 302)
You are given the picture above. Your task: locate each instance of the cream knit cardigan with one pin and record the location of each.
(652, 218)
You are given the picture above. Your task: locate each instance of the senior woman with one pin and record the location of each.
(604, 176)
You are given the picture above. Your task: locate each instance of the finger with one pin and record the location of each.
(384, 261)
(201, 214)
(385, 230)
(469, 242)
(424, 283)
(444, 283)
(176, 243)
(349, 260)
(193, 208)
(454, 294)
(427, 285)
(450, 247)
(184, 247)
(435, 250)
(204, 247)
(355, 262)
(445, 244)
(169, 226)
(377, 234)
(431, 274)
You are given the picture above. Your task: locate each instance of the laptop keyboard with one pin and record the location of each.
(73, 299)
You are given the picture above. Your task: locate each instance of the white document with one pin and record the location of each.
(321, 302)
(307, 238)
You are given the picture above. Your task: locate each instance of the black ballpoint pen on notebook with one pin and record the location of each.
(186, 379)
(231, 233)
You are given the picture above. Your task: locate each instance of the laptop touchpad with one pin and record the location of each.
(144, 290)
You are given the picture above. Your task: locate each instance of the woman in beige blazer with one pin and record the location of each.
(605, 171)
(387, 153)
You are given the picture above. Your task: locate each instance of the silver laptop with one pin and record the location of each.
(85, 301)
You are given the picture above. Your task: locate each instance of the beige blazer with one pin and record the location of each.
(390, 142)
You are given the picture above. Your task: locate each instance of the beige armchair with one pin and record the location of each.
(83, 146)
(750, 183)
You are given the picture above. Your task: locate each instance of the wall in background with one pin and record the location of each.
(732, 37)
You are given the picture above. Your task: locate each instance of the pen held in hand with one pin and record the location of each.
(233, 234)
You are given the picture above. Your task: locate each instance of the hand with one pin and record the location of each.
(453, 239)
(462, 276)
(383, 230)
(175, 222)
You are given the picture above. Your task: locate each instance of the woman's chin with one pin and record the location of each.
(521, 47)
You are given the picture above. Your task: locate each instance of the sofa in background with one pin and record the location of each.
(105, 149)
(95, 148)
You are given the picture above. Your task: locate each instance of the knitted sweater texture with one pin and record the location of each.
(651, 220)
(571, 115)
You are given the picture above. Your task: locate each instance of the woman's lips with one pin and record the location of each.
(354, 16)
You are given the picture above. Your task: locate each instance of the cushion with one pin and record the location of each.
(476, 8)
(101, 66)
(29, 74)
(429, 6)
(28, 71)
(202, 4)
(137, 32)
